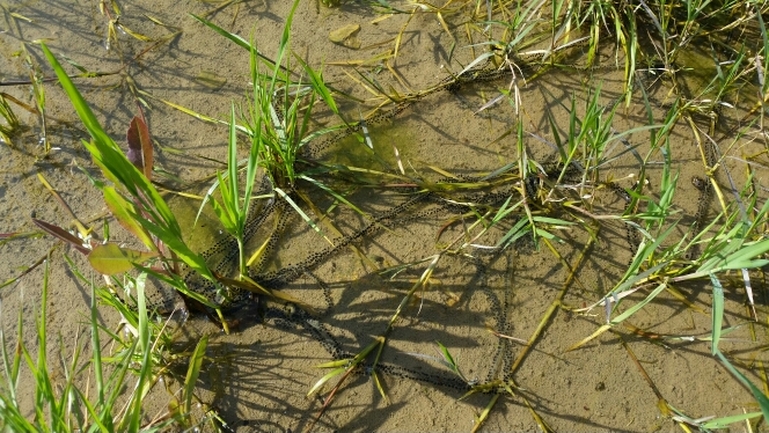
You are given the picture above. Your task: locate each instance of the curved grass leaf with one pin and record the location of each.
(325, 379)
(152, 212)
(621, 318)
(725, 422)
(761, 398)
(125, 213)
(193, 371)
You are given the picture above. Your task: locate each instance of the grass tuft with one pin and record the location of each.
(88, 395)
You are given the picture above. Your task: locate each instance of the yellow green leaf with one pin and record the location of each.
(124, 211)
(110, 259)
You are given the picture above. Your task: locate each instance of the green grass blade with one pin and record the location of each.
(325, 379)
(635, 308)
(81, 107)
(298, 210)
(331, 192)
(763, 401)
(231, 36)
(725, 422)
(718, 313)
(319, 86)
(193, 371)
(449, 361)
(10, 412)
(145, 372)
(96, 362)
(44, 393)
(153, 213)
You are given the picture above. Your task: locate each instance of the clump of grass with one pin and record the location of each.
(277, 119)
(105, 391)
(134, 201)
(65, 404)
(277, 123)
(278, 127)
(38, 91)
(659, 263)
(730, 242)
(10, 122)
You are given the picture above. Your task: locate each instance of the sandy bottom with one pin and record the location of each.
(257, 378)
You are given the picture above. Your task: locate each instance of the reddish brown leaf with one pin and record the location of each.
(62, 234)
(134, 145)
(140, 146)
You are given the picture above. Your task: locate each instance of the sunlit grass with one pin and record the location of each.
(276, 124)
(10, 122)
(91, 394)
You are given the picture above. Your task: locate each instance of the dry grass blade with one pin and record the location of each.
(84, 232)
(485, 413)
(662, 404)
(568, 183)
(187, 111)
(556, 302)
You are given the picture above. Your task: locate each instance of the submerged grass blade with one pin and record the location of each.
(143, 383)
(193, 371)
(485, 413)
(761, 398)
(718, 313)
(153, 214)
